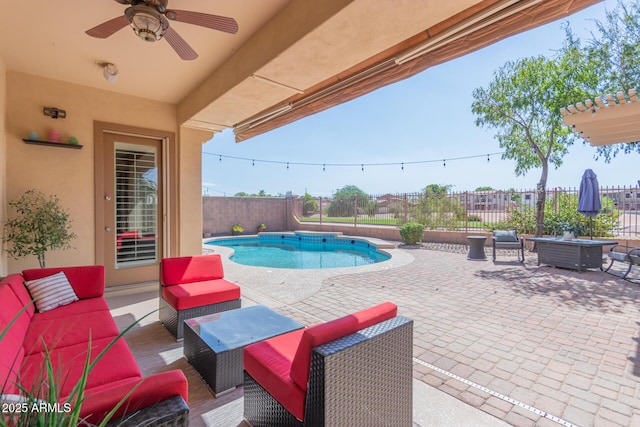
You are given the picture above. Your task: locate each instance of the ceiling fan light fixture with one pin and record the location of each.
(147, 23)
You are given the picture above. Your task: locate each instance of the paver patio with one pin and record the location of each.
(531, 345)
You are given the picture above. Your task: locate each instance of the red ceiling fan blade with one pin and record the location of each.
(108, 28)
(215, 22)
(178, 44)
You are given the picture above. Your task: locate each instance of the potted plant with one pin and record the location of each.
(237, 229)
(40, 224)
(569, 231)
(262, 228)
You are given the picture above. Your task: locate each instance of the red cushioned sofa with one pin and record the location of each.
(194, 286)
(356, 370)
(67, 332)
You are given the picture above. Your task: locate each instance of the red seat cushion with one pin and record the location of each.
(326, 332)
(198, 294)
(68, 362)
(174, 271)
(76, 308)
(65, 331)
(269, 363)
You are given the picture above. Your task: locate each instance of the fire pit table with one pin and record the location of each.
(576, 254)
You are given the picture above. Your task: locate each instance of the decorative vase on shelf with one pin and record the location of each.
(54, 135)
(568, 235)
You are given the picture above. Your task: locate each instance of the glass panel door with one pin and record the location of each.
(136, 205)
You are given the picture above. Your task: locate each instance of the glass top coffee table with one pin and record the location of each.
(214, 343)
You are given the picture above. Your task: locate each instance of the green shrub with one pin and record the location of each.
(411, 233)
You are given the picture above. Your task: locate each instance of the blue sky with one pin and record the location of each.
(424, 118)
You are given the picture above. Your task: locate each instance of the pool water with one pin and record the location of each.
(300, 252)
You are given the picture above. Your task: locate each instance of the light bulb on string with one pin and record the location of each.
(287, 165)
(444, 163)
(362, 167)
(402, 167)
(488, 159)
(253, 162)
(324, 168)
(221, 159)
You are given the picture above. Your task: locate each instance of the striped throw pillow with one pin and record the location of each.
(51, 292)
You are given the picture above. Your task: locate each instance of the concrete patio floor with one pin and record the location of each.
(530, 345)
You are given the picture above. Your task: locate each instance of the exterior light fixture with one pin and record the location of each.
(109, 71)
(54, 113)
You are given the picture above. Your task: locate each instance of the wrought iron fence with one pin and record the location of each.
(479, 210)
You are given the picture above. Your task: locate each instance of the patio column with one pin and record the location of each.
(187, 205)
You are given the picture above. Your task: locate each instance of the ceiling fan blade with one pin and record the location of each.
(215, 22)
(178, 44)
(108, 28)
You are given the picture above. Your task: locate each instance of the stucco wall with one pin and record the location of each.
(221, 213)
(3, 156)
(67, 173)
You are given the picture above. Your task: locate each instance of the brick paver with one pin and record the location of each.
(561, 341)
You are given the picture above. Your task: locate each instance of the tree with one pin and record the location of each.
(613, 53)
(486, 188)
(40, 224)
(522, 103)
(435, 208)
(309, 204)
(344, 199)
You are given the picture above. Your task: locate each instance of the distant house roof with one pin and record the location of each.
(606, 119)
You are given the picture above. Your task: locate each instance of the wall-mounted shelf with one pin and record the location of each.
(52, 144)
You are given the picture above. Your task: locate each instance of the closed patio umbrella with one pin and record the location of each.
(589, 199)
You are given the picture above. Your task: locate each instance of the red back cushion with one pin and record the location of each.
(188, 269)
(86, 281)
(327, 332)
(16, 282)
(11, 343)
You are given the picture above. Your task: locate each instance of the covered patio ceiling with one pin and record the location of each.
(289, 59)
(607, 119)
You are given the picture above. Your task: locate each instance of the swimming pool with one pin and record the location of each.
(301, 250)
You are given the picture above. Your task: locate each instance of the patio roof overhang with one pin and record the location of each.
(609, 119)
(484, 23)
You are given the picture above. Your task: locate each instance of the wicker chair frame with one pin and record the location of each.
(626, 255)
(172, 412)
(516, 246)
(363, 379)
(174, 319)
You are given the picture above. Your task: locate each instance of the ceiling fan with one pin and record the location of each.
(150, 21)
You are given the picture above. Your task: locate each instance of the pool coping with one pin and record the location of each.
(379, 244)
(396, 257)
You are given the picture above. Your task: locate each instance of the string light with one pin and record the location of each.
(362, 165)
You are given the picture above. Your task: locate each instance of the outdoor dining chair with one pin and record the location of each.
(508, 239)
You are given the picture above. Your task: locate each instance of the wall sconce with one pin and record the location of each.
(54, 113)
(109, 71)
